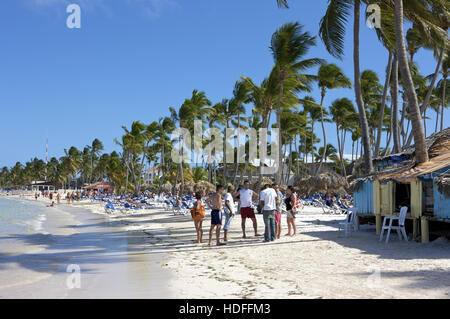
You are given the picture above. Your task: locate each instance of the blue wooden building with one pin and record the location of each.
(400, 182)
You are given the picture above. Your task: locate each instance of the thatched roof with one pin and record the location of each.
(166, 187)
(322, 183)
(189, 187)
(204, 185)
(439, 153)
(435, 143)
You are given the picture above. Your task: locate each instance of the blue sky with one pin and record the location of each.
(132, 59)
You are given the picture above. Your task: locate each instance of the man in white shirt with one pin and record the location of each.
(246, 198)
(268, 198)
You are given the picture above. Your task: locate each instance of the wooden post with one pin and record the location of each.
(378, 220)
(424, 227)
(415, 227)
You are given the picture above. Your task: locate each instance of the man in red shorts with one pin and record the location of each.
(246, 198)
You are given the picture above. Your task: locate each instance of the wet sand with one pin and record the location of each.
(113, 262)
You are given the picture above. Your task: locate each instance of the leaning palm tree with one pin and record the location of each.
(289, 45)
(414, 111)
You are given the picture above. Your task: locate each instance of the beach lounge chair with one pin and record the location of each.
(350, 222)
(109, 208)
(400, 228)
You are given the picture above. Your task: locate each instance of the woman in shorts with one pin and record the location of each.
(290, 201)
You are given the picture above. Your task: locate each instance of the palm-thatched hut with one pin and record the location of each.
(204, 185)
(167, 187)
(322, 183)
(189, 187)
(400, 181)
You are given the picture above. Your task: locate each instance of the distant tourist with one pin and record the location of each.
(290, 199)
(58, 198)
(198, 213)
(229, 211)
(268, 198)
(246, 198)
(215, 203)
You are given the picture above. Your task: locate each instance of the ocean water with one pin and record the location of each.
(20, 217)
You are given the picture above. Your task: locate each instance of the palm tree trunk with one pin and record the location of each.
(358, 92)
(421, 154)
(437, 121)
(403, 134)
(396, 132)
(236, 165)
(339, 148)
(298, 155)
(444, 98)
(280, 155)
(383, 104)
(388, 143)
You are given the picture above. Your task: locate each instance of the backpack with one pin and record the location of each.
(198, 213)
(297, 206)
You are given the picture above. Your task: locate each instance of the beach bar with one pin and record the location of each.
(100, 187)
(41, 186)
(423, 188)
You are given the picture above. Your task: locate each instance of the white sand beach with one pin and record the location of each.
(151, 254)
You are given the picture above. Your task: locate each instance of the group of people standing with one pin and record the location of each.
(270, 201)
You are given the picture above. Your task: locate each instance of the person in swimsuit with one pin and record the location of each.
(198, 222)
(289, 201)
(215, 202)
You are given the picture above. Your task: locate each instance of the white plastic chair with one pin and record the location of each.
(400, 228)
(349, 222)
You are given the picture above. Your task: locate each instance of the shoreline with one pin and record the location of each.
(112, 260)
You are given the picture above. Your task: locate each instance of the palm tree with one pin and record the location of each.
(95, 149)
(165, 127)
(444, 86)
(330, 77)
(133, 147)
(241, 96)
(332, 32)
(383, 102)
(341, 110)
(289, 45)
(72, 161)
(195, 108)
(421, 153)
